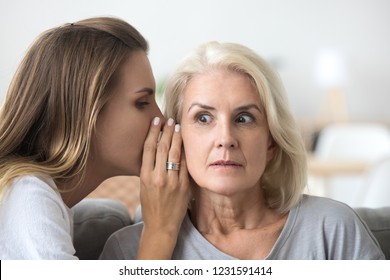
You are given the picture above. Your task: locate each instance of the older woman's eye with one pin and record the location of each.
(203, 118)
(244, 119)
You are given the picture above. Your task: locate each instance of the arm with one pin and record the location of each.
(164, 194)
(35, 223)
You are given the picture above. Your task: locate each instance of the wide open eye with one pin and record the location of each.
(203, 118)
(244, 118)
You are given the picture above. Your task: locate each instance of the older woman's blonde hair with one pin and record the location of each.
(285, 175)
(53, 101)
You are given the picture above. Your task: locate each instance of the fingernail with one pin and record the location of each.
(156, 121)
(177, 127)
(170, 122)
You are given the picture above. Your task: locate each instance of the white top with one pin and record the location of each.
(316, 229)
(35, 222)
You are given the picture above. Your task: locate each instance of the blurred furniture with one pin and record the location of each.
(377, 191)
(122, 188)
(93, 222)
(344, 153)
(353, 141)
(378, 220)
(330, 167)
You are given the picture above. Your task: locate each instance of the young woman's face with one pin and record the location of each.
(124, 121)
(225, 132)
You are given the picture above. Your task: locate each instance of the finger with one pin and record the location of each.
(150, 146)
(164, 145)
(183, 172)
(176, 145)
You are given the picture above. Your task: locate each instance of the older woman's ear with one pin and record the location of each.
(271, 149)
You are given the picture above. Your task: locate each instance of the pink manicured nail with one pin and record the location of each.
(170, 122)
(177, 127)
(156, 121)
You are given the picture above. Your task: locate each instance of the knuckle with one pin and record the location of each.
(162, 148)
(144, 180)
(149, 148)
(159, 182)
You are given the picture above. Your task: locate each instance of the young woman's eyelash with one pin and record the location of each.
(142, 104)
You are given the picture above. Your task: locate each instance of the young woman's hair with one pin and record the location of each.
(53, 101)
(285, 175)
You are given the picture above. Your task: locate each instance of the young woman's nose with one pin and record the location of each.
(225, 137)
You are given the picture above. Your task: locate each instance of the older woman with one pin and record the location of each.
(247, 163)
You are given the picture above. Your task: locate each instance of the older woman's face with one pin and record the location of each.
(225, 133)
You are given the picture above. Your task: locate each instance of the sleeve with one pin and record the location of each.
(123, 244)
(112, 250)
(350, 238)
(326, 229)
(37, 224)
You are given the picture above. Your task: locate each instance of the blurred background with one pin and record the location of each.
(333, 56)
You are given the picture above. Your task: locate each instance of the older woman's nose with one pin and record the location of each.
(226, 137)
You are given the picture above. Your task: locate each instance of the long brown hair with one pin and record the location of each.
(53, 101)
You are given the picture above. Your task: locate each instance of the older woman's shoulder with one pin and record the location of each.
(322, 206)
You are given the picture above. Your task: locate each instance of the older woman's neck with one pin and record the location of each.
(212, 212)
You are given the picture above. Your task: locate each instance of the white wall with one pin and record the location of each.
(288, 33)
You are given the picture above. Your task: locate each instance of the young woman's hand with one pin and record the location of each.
(164, 193)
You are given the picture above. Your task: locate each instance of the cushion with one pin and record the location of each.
(378, 220)
(95, 219)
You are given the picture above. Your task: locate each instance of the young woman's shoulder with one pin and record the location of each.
(22, 189)
(34, 216)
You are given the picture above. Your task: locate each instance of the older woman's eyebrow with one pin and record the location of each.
(241, 108)
(248, 107)
(202, 106)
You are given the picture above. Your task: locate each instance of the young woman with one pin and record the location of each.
(77, 112)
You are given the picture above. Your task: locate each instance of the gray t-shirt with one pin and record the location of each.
(316, 229)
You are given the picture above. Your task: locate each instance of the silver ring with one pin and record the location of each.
(173, 166)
